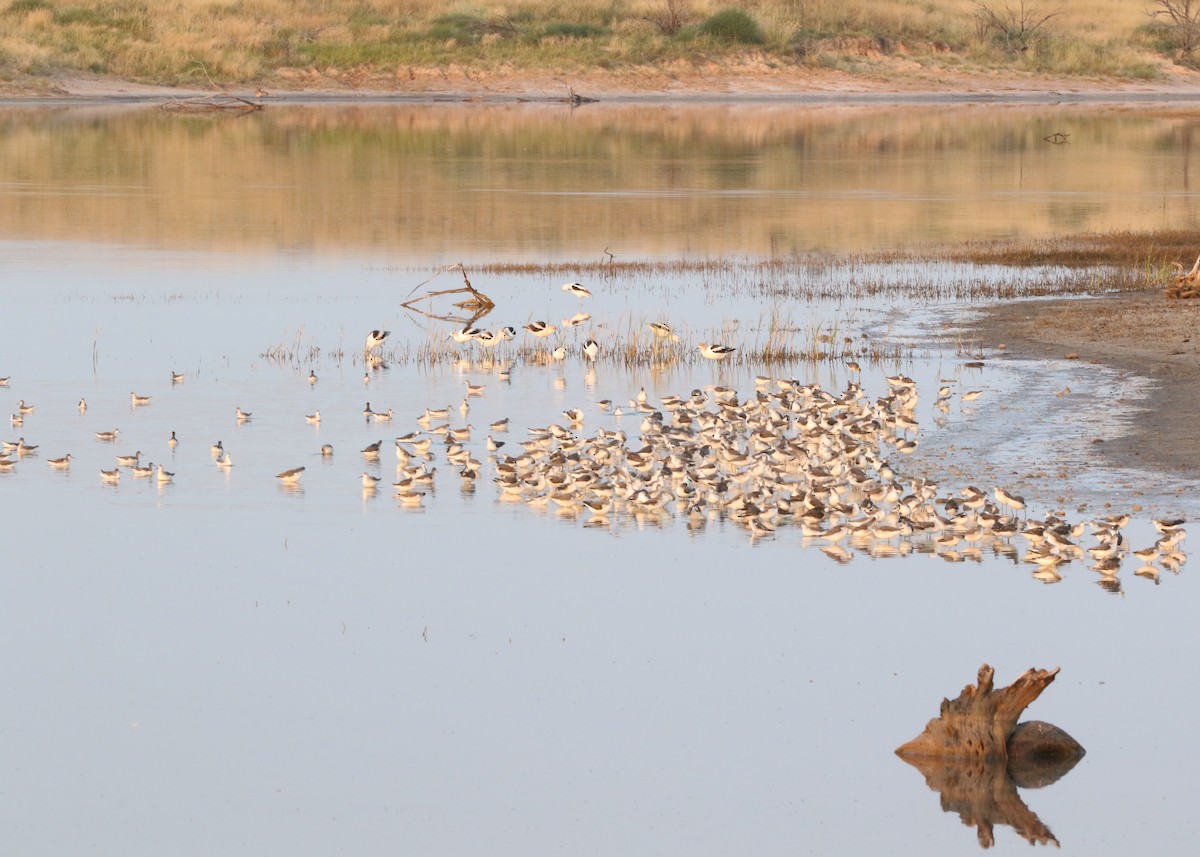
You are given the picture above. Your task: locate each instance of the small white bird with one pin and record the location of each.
(375, 340)
(326, 450)
(135, 399)
(369, 482)
(176, 377)
(590, 349)
(217, 449)
(576, 289)
(107, 435)
(290, 477)
(60, 463)
(164, 475)
(540, 329)
(23, 408)
(224, 460)
(243, 416)
(113, 475)
(129, 460)
(313, 418)
(559, 353)
(715, 352)
(172, 441)
(82, 406)
(312, 377)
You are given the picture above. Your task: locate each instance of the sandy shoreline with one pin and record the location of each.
(1139, 333)
(913, 84)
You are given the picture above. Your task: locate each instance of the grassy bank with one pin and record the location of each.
(382, 41)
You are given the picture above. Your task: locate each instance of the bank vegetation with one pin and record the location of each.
(385, 42)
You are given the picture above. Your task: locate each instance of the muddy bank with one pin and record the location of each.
(1139, 333)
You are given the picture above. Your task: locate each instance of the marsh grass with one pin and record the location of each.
(258, 40)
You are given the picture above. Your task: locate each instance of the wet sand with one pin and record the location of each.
(1140, 333)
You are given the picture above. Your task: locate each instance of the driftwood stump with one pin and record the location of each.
(1185, 285)
(978, 724)
(975, 755)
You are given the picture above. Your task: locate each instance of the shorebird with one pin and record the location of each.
(493, 445)
(313, 418)
(129, 460)
(164, 475)
(23, 447)
(369, 482)
(1011, 501)
(224, 460)
(172, 441)
(4, 380)
(662, 331)
(382, 416)
(540, 329)
(375, 340)
(6, 464)
(290, 477)
(476, 389)
(326, 450)
(312, 377)
(135, 399)
(559, 353)
(16, 420)
(60, 463)
(466, 334)
(217, 449)
(82, 406)
(242, 416)
(371, 451)
(23, 408)
(113, 475)
(577, 290)
(499, 425)
(107, 435)
(143, 472)
(176, 377)
(715, 352)
(590, 349)
(577, 319)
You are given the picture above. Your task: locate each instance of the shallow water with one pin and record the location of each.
(225, 664)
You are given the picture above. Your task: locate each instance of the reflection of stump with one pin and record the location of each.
(978, 723)
(983, 795)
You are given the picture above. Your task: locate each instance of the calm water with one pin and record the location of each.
(220, 664)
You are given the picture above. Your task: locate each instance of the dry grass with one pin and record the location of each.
(256, 40)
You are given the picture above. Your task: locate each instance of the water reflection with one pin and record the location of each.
(538, 181)
(984, 794)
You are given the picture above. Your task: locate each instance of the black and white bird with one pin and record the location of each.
(576, 289)
(375, 340)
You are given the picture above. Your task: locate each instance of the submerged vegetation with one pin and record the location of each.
(383, 42)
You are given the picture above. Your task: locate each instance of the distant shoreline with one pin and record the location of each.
(644, 86)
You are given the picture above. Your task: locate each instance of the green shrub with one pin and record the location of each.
(571, 30)
(733, 26)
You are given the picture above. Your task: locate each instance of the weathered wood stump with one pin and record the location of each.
(974, 755)
(979, 723)
(1185, 285)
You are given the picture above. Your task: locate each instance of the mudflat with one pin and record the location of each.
(1141, 333)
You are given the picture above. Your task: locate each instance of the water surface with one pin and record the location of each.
(220, 664)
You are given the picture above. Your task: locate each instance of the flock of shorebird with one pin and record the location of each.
(789, 455)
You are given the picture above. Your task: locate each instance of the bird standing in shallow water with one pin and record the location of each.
(375, 341)
(290, 477)
(577, 290)
(715, 352)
